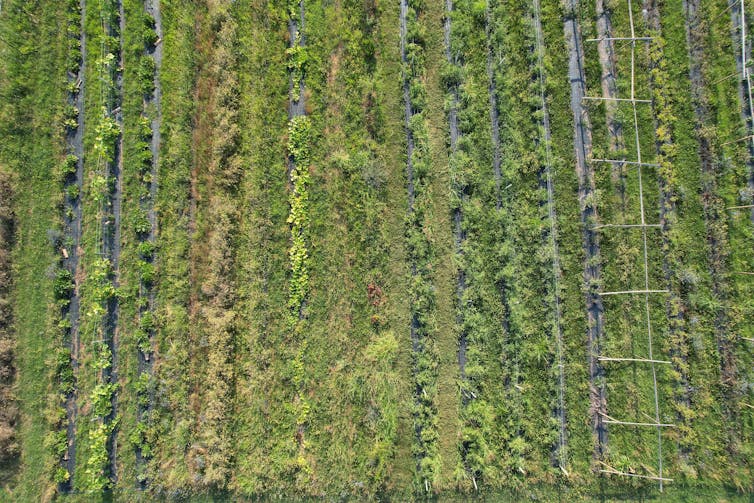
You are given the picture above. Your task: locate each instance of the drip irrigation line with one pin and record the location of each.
(629, 292)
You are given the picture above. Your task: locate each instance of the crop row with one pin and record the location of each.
(59, 439)
(292, 328)
(686, 323)
(138, 268)
(300, 159)
(96, 385)
(725, 180)
(420, 247)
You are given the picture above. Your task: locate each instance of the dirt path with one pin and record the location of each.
(75, 142)
(591, 246)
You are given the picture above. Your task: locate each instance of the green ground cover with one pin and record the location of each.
(338, 300)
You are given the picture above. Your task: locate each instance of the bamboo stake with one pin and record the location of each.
(617, 38)
(616, 472)
(633, 292)
(603, 98)
(634, 423)
(646, 360)
(626, 226)
(738, 140)
(623, 161)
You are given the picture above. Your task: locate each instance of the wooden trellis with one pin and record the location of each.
(646, 289)
(739, 19)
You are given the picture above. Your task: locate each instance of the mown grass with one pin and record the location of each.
(33, 82)
(173, 346)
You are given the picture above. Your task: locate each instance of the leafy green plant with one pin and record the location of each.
(146, 74)
(146, 249)
(147, 272)
(96, 477)
(68, 167)
(107, 131)
(297, 62)
(70, 117)
(299, 138)
(63, 284)
(141, 223)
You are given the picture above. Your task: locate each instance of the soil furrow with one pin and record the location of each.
(503, 287)
(459, 233)
(407, 111)
(297, 102)
(153, 8)
(415, 347)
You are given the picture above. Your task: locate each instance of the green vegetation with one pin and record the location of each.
(420, 251)
(357, 250)
(219, 166)
(172, 344)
